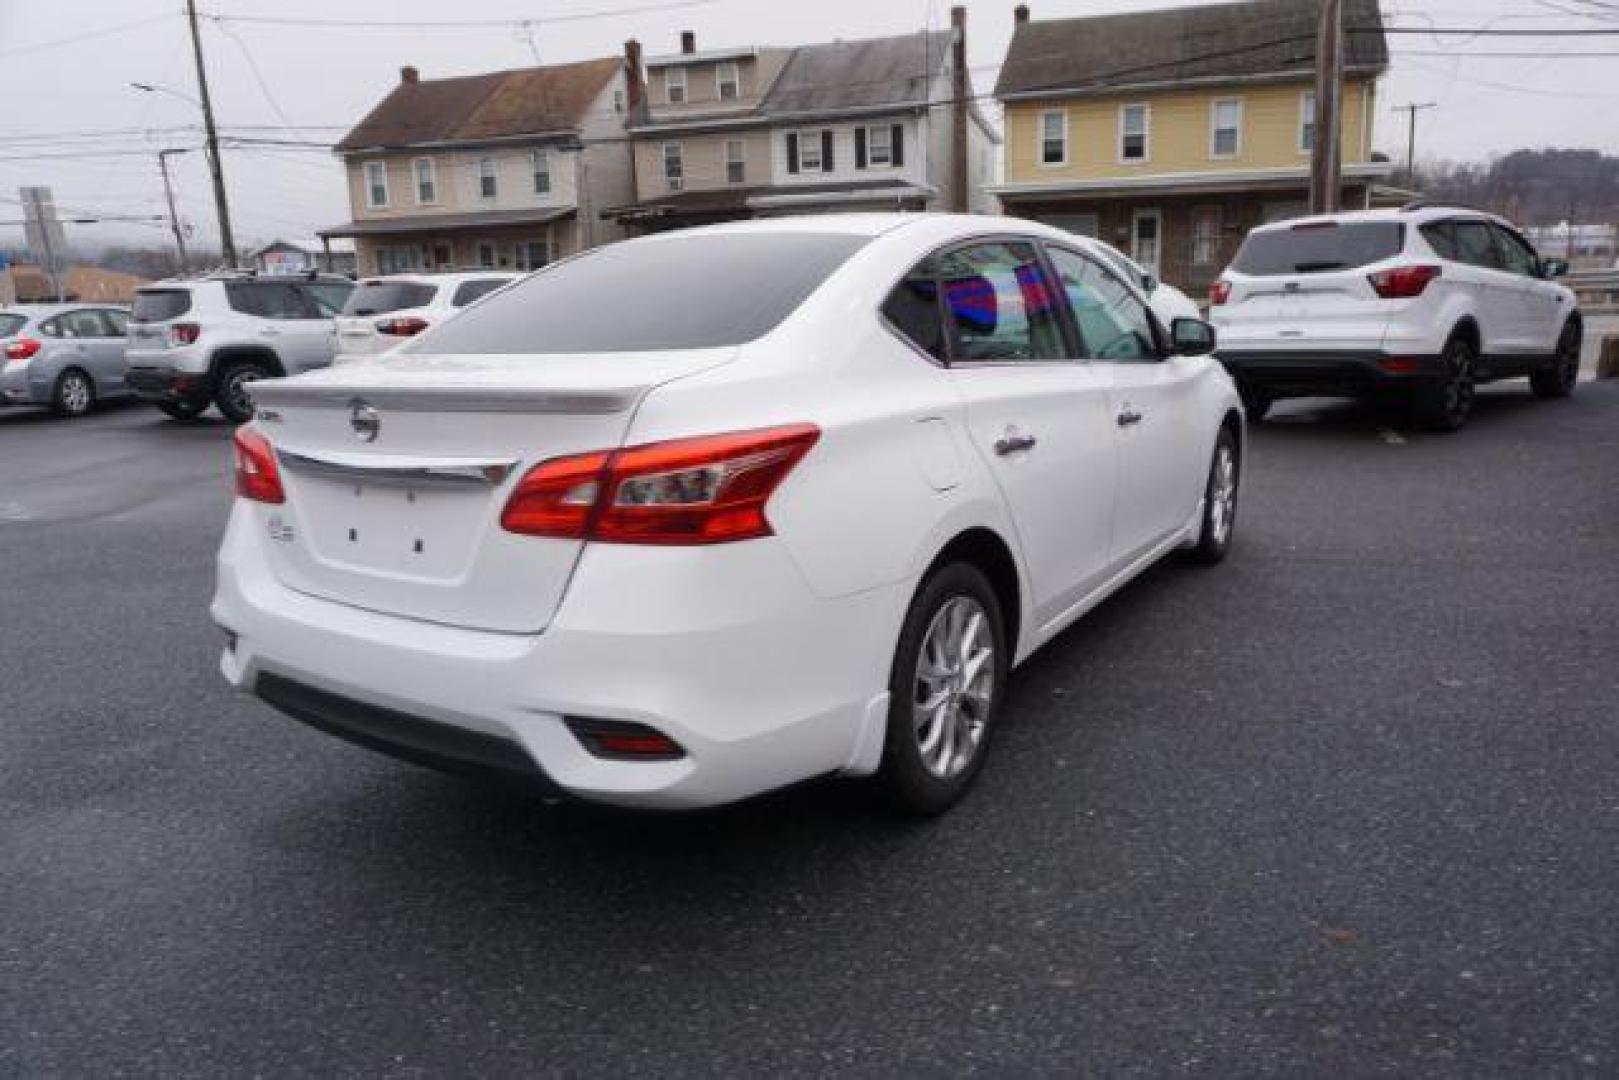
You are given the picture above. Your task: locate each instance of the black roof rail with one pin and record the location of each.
(1443, 204)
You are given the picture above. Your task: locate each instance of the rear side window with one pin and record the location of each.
(1319, 248)
(117, 321)
(381, 297)
(468, 291)
(160, 305)
(1001, 304)
(285, 299)
(328, 296)
(10, 324)
(913, 309)
(677, 292)
(1441, 236)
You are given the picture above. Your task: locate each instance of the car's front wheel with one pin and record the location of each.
(945, 690)
(1557, 381)
(1220, 500)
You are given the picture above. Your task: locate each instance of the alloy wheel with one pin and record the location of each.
(1459, 386)
(1223, 493)
(954, 687)
(75, 394)
(236, 394)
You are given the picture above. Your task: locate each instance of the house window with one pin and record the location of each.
(673, 167)
(1135, 125)
(426, 181)
(1053, 138)
(1307, 122)
(674, 85)
(486, 178)
(880, 146)
(533, 254)
(1205, 235)
(809, 151)
(541, 161)
(376, 184)
(618, 102)
(1225, 128)
(736, 168)
(486, 253)
(729, 77)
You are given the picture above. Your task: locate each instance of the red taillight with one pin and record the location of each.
(1219, 293)
(707, 490)
(1403, 282)
(405, 326)
(184, 333)
(257, 475)
(22, 349)
(1400, 365)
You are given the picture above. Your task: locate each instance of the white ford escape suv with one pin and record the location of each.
(383, 312)
(1420, 303)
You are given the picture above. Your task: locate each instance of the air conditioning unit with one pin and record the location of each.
(676, 183)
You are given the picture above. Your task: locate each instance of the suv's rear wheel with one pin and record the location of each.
(1446, 405)
(181, 410)
(231, 395)
(945, 690)
(1558, 380)
(74, 394)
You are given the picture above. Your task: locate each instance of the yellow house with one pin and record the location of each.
(1171, 133)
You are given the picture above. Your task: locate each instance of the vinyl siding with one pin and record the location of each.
(702, 160)
(1180, 132)
(843, 157)
(457, 183)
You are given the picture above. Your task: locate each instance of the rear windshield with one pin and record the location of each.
(694, 292)
(160, 305)
(381, 297)
(10, 324)
(1315, 249)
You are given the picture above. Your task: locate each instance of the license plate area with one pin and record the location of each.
(425, 534)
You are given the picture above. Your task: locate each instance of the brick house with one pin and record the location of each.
(507, 169)
(1171, 133)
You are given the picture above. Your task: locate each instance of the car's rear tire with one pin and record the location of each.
(1256, 403)
(74, 394)
(1446, 405)
(1557, 381)
(231, 394)
(181, 410)
(1220, 501)
(945, 691)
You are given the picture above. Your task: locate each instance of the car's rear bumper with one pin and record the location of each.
(167, 385)
(1301, 372)
(724, 650)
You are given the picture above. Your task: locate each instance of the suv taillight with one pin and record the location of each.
(258, 477)
(184, 333)
(707, 490)
(405, 326)
(1402, 283)
(22, 349)
(1219, 293)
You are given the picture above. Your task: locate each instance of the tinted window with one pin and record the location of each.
(53, 327)
(468, 291)
(10, 324)
(676, 292)
(80, 324)
(381, 297)
(117, 321)
(1319, 248)
(328, 296)
(1113, 324)
(1001, 304)
(266, 299)
(913, 309)
(161, 305)
(1476, 246)
(1515, 254)
(1441, 236)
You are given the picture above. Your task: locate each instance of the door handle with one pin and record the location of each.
(1128, 416)
(268, 331)
(1014, 444)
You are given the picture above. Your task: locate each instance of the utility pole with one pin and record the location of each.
(1411, 138)
(168, 193)
(215, 166)
(1326, 184)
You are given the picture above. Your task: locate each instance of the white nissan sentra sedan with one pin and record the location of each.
(696, 516)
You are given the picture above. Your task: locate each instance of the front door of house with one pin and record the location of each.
(1147, 239)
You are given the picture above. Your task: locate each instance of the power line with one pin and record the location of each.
(106, 31)
(453, 24)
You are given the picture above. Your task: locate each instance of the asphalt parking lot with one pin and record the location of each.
(1347, 804)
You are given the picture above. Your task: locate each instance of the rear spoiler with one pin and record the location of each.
(467, 399)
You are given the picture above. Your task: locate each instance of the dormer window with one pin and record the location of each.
(729, 78)
(674, 85)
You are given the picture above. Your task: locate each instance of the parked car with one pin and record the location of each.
(385, 311)
(202, 341)
(795, 508)
(1419, 304)
(1168, 302)
(65, 356)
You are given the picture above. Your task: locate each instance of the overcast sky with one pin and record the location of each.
(66, 66)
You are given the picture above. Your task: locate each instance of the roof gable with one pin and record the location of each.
(1217, 41)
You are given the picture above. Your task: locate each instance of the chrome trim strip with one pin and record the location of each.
(399, 471)
(442, 399)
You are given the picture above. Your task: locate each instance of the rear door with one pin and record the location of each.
(1498, 303)
(1037, 416)
(1150, 400)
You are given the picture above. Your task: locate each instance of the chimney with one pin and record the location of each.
(409, 74)
(1020, 14)
(634, 84)
(960, 91)
(688, 41)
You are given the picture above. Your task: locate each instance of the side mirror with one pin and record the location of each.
(1553, 268)
(1191, 337)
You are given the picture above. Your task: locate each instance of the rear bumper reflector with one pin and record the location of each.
(620, 740)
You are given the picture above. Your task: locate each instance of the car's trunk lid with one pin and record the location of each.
(407, 521)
